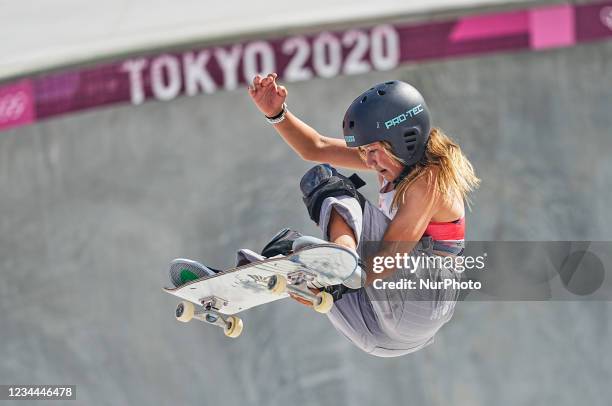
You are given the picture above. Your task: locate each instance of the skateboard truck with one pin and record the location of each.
(213, 302)
(232, 325)
(322, 302)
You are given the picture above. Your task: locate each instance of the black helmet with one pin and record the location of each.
(394, 112)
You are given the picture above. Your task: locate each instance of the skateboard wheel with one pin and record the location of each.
(233, 326)
(326, 301)
(277, 284)
(184, 311)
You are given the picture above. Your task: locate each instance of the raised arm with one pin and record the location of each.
(269, 97)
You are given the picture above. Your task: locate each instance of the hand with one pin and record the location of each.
(267, 95)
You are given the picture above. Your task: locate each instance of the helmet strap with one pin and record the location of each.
(407, 169)
(403, 174)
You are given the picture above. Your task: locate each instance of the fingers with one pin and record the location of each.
(256, 84)
(269, 82)
(259, 82)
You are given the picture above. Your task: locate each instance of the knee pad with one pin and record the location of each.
(323, 181)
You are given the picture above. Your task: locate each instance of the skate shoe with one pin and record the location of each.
(281, 243)
(185, 270)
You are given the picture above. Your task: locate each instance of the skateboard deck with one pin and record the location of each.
(237, 289)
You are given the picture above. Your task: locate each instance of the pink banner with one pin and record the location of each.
(490, 26)
(167, 75)
(552, 27)
(16, 105)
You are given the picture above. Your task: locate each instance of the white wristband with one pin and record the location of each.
(279, 117)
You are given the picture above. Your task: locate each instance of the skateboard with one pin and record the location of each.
(216, 299)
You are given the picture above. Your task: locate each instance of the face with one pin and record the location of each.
(377, 158)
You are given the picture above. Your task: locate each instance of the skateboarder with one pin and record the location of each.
(424, 179)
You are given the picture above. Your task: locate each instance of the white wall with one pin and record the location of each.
(41, 34)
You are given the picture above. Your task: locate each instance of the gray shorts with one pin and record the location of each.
(387, 323)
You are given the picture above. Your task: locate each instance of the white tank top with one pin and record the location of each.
(385, 199)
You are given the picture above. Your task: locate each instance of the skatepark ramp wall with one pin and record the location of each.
(94, 206)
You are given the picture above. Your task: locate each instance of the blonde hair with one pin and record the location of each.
(454, 178)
